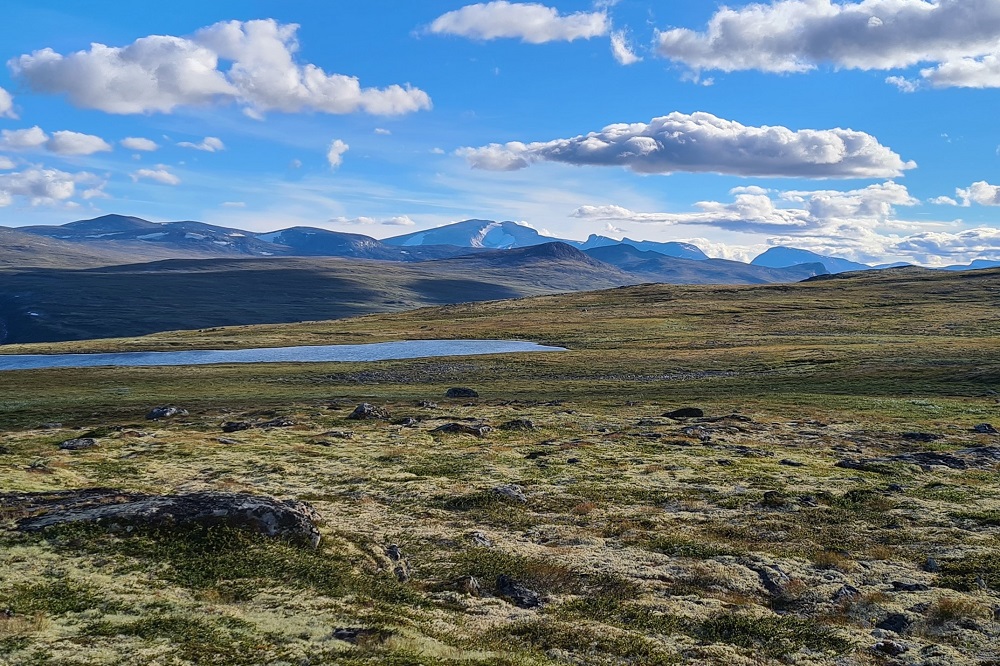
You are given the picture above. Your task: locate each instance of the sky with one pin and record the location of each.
(865, 130)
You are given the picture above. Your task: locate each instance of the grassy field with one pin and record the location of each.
(731, 539)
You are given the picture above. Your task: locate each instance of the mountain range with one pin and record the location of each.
(114, 239)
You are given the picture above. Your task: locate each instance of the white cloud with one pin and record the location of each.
(963, 246)
(755, 210)
(161, 174)
(799, 35)
(437, 151)
(382, 131)
(530, 22)
(62, 142)
(6, 164)
(6, 105)
(210, 144)
(335, 154)
(701, 142)
(957, 37)
(43, 186)
(74, 143)
(622, 50)
(26, 139)
(981, 193)
(161, 72)
(943, 201)
(234, 204)
(139, 143)
(398, 221)
(295, 164)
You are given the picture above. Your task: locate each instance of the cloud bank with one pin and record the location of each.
(42, 187)
(959, 37)
(249, 63)
(700, 143)
(528, 21)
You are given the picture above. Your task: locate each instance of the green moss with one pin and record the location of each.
(772, 636)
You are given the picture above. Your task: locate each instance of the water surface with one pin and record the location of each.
(379, 351)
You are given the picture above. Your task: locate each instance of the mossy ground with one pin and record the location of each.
(648, 543)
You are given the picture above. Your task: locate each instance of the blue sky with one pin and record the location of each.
(865, 130)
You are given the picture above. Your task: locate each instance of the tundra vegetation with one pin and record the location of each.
(834, 501)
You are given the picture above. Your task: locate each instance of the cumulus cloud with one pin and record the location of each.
(398, 221)
(530, 22)
(622, 50)
(25, 139)
(6, 105)
(139, 143)
(962, 246)
(981, 193)
(43, 186)
(6, 164)
(62, 142)
(161, 174)
(249, 63)
(701, 142)
(789, 212)
(943, 201)
(335, 154)
(210, 144)
(74, 143)
(958, 37)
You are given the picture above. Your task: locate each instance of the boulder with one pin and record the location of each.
(165, 412)
(517, 593)
(513, 492)
(78, 444)
(685, 413)
(464, 429)
(236, 426)
(985, 429)
(460, 392)
(287, 519)
(518, 424)
(368, 411)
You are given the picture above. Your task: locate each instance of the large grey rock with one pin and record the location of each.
(289, 519)
(461, 392)
(165, 412)
(368, 411)
(78, 444)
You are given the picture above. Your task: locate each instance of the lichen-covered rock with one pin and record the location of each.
(464, 429)
(368, 411)
(288, 519)
(78, 444)
(165, 412)
(461, 392)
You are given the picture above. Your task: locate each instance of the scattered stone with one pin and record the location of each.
(517, 593)
(463, 429)
(276, 423)
(650, 435)
(401, 568)
(339, 434)
(891, 648)
(788, 462)
(78, 444)
(985, 429)
(226, 440)
(846, 593)
(236, 426)
(895, 622)
(921, 436)
(51, 425)
(289, 519)
(481, 539)
(808, 500)
(355, 635)
(724, 462)
(534, 455)
(771, 576)
(899, 586)
(518, 424)
(407, 422)
(4, 451)
(773, 498)
(513, 492)
(368, 411)
(573, 461)
(461, 392)
(165, 412)
(470, 585)
(895, 488)
(699, 433)
(931, 566)
(427, 404)
(685, 413)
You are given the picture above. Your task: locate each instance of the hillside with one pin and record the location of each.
(829, 492)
